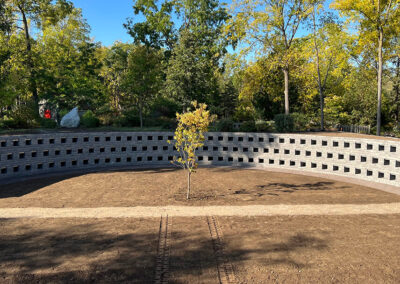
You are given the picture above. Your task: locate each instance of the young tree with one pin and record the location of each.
(189, 136)
(270, 26)
(377, 20)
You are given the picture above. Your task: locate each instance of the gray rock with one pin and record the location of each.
(71, 119)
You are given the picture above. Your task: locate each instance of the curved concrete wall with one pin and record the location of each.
(370, 160)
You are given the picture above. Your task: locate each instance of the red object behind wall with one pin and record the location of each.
(47, 114)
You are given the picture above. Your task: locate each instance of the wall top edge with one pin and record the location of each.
(375, 139)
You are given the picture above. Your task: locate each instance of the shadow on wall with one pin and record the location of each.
(87, 253)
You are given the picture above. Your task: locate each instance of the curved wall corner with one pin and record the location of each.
(367, 160)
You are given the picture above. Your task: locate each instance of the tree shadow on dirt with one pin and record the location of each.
(273, 253)
(253, 193)
(26, 186)
(289, 188)
(86, 254)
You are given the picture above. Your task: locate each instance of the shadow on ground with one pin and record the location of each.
(26, 186)
(271, 189)
(289, 188)
(83, 253)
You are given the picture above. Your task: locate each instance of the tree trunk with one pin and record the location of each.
(380, 63)
(320, 88)
(32, 79)
(397, 89)
(141, 115)
(188, 185)
(286, 74)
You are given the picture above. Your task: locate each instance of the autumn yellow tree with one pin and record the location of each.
(189, 136)
(326, 52)
(269, 27)
(377, 20)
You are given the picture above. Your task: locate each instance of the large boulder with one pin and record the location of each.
(71, 119)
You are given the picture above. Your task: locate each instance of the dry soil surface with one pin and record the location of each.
(162, 187)
(356, 248)
(279, 249)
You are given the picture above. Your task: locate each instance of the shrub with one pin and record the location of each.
(163, 122)
(284, 123)
(245, 113)
(9, 123)
(23, 116)
(131, 118)
(48, 123)
(89, 120)
(224, 125)
(128, 118)
(248, 126)
(265, 126)
(164, 107)
(63, 112)
(300, 121)
(118, 121)
(105, 114)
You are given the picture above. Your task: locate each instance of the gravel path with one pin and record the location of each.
(192, 211)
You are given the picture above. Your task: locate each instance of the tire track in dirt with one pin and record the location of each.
(226, 273)
(163, 251)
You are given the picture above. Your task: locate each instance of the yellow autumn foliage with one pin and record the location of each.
(189, 136)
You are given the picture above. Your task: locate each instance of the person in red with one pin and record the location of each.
(47, 114)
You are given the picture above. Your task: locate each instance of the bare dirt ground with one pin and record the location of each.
(279, 249)
(162, 187)
(314, 249)
(77, 251)
(268, 249)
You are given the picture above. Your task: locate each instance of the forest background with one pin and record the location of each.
(257, 62)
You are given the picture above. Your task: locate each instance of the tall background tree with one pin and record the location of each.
(377, 21)
(39, 13)
(246, 63)
(193, 45)
(68, 67)
(143, 77)
(327, 51)
(270, 26)
(115, 63)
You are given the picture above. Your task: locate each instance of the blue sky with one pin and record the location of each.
(106, 18)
